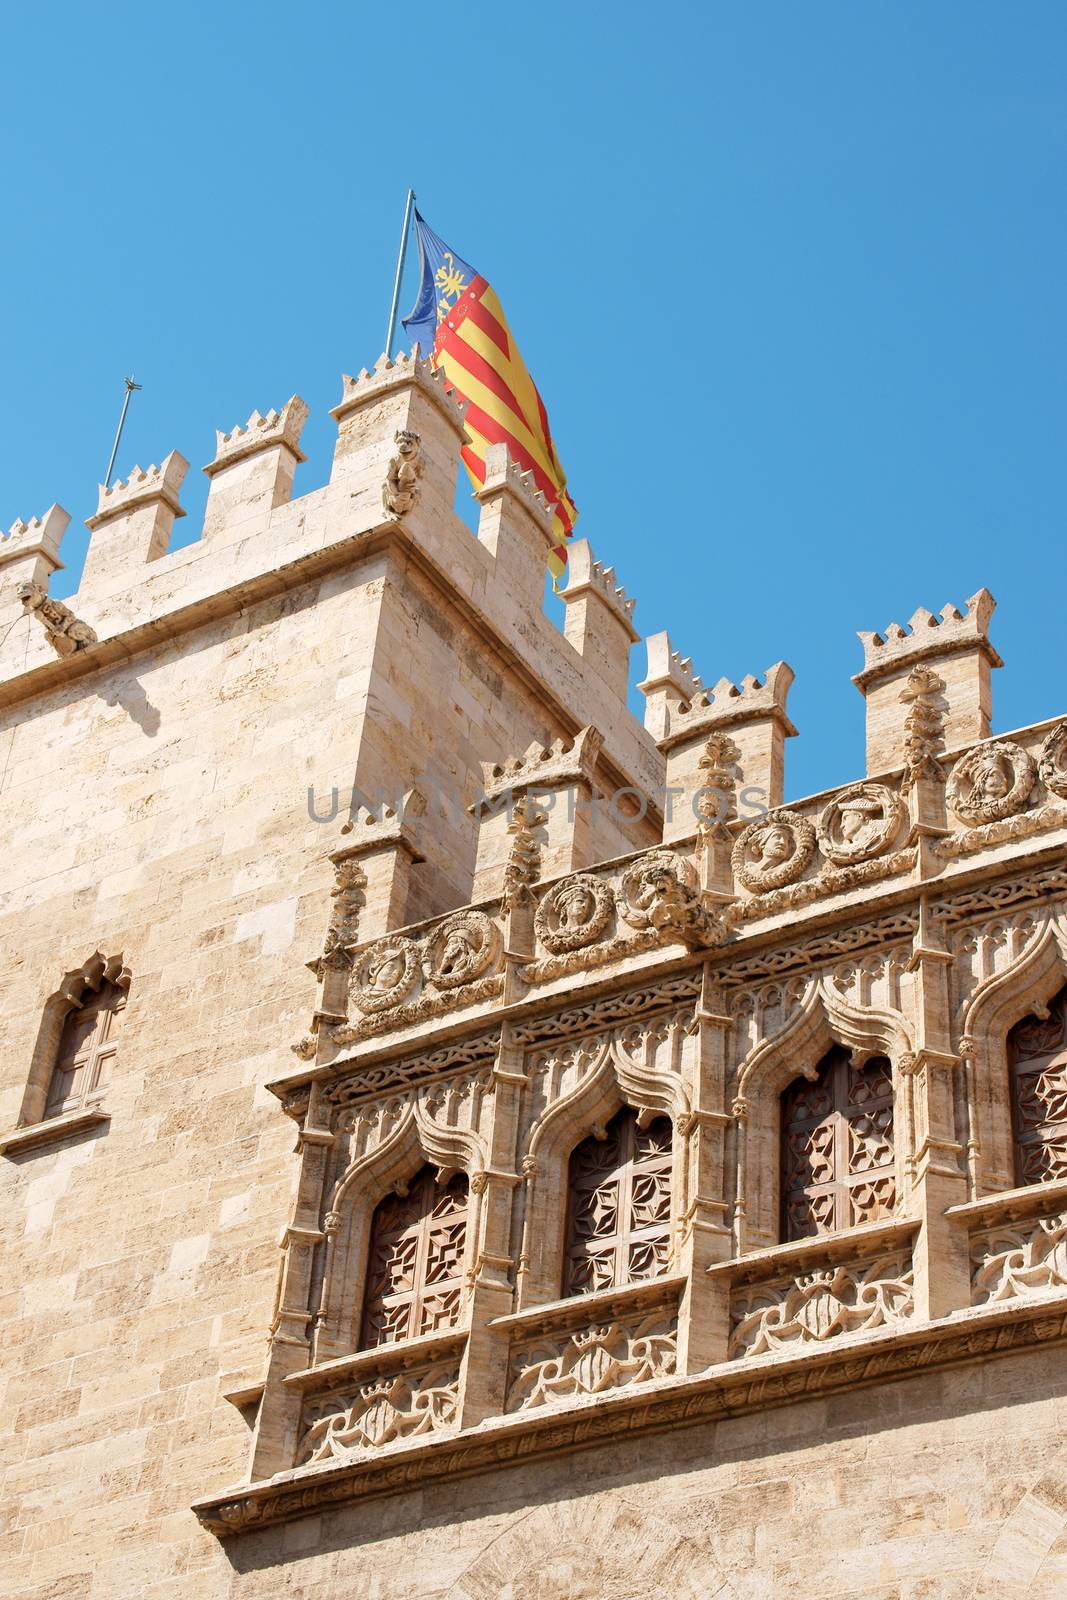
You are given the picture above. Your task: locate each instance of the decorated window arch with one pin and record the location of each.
(77, 1042)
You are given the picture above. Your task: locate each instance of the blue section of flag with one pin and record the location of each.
(434, 257)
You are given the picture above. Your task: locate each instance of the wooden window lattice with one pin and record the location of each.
(838, 1167)
(87, 1049)
(1037, 1056)
(619, 1206)
(415, 1269)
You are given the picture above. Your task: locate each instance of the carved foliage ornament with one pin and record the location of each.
(819, 1305)
(573, 913)
(773, 851)
(378, 1413)
(1053, 765)
(591, 1360)
(461, 949)
(859, 823)
(992, 781)
(385, 974)
(1020, 1260)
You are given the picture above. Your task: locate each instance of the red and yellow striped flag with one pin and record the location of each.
(459, 318)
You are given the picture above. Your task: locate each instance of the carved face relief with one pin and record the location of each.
(641, 886)
(1053, 766)
(574, 913)
(460, 950)
(859, 823)
(773, 851)
(385, 974)
(990, 782)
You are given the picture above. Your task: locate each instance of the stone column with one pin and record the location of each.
(558, 781)
(704, 1317)
(483, 1380)
(278, 1424)
(939, 1180)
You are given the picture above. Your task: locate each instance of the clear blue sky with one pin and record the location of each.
(791, 278)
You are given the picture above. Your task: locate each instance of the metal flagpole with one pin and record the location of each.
(409, 206)
(130, 387)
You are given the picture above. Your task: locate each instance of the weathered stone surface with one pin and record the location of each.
(314, 1009)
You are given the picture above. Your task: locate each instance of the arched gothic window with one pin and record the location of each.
(1037, 1057)
(415, 1263)
(86, 1050)
(837, 1161)
(619, 1206)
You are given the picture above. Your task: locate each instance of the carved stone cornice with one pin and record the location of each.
(728, 1390)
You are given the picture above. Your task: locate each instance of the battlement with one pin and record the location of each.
(586, 575)
(503, 474)
(277, 428)
(391, 373)
(144, 486)
(927, 636)
(959, 642)
(29, 551)
(728, 703)
(540, 766)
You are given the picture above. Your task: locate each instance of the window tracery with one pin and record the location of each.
(1037, 1056)
(837, 1149)
(619, 1206)
(415, 1264)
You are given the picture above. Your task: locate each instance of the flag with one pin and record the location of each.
(459, 319)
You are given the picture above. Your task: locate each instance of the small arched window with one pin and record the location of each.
(1037, 1058)
(415, 1262)
(87, 1048)
(837, 1159)
(619, 1206)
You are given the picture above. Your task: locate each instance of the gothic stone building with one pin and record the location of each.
(551, 1166)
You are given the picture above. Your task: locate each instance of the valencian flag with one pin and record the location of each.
(459, 318)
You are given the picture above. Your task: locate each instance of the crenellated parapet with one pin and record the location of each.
(29, 551)
(959, 642)
(669, 682)
(515, 525)
(278, 429)
(559, 779)
(253, 470)
(599, 616)
(754, 712)
(133, 522)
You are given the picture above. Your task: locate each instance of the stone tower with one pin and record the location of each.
(459, 1140)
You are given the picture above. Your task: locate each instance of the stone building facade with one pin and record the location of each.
(459, 1141)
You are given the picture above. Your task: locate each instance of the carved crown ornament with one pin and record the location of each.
(990, 782)
(773, 851)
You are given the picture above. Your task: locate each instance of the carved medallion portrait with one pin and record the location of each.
(461, 949)
(573, 913)
(641, 886)
(1053, 764)
(385, 974)
(992, 781)
(859, 823)
(773, 851)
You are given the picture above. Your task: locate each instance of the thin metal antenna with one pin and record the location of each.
(408, 206)
(130, 387)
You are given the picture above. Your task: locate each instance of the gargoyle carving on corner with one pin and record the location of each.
(61, 627)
